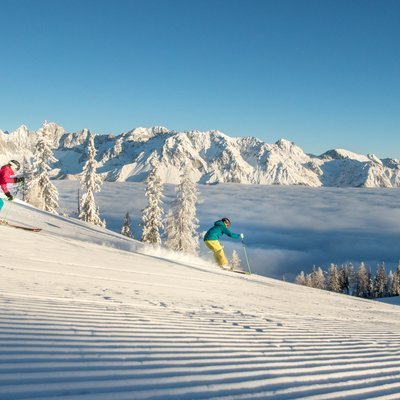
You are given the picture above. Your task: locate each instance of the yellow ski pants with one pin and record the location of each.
(218, 250)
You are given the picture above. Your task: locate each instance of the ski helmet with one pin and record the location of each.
(226, 221)
(16, 164)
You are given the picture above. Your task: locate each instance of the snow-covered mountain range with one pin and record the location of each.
(215, 157)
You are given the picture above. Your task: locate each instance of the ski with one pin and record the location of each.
(25, 228)
(238, 271)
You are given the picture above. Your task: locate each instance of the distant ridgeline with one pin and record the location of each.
(215, 157)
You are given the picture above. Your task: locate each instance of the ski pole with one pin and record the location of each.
(247, 259)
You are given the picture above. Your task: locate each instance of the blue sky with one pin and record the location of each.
(322, 73)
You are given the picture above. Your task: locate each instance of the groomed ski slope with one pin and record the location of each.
(84, 314)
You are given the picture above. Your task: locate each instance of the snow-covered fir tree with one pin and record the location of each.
(126, 226)
(390, 284)
(380, 282)
(332, 279)
(91, 181)
(346, 278)
(181, 223)
(318, 278)
(152, 214)
(235, 261)
(40, 191)
(395, 284)
(300, 279)
(363, 282)
(309, 280)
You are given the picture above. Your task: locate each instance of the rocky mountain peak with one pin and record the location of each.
(215, 157)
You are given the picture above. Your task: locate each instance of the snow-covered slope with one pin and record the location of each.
(215, 157)
(86, 315)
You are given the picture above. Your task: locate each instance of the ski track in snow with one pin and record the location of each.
(89, 322)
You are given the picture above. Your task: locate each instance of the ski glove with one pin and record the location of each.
(20, 179)
(9, 196)
(242, 236)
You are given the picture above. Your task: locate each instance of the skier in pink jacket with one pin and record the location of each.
(7, 176)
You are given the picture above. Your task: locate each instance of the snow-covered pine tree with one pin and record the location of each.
(318, 278)
(344, 280)
(390, 284)
(352, 278)
(90, 180)
(396, 282)
(235, 261)
(300, 279)
(152, 214)
(40, 191)
(362, 286)
(181, 223)
(380, 282)
(332, 281)
(126, 226)
(309, 280)
(347, 279)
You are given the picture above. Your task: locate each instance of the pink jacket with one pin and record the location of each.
(6, 173)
